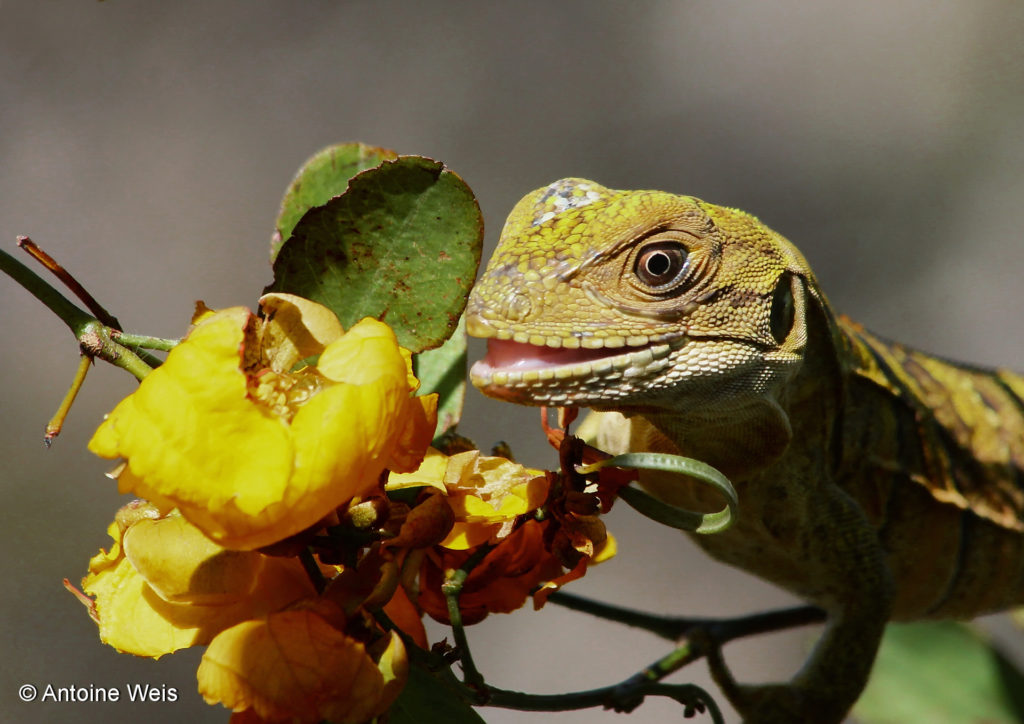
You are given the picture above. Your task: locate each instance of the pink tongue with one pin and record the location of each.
(508, 355)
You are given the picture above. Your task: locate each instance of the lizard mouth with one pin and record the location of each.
(522, 372)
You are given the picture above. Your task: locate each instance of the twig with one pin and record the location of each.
(312, 568)
(452, 589)
(71, 315)
(142, 341)
(56, 423)
(673, 628)
(69, 281)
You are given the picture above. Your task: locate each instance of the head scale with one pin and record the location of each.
(637, 299)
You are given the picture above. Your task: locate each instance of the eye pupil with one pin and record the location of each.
(661, 265)
(658, 263)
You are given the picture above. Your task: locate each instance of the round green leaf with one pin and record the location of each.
(402, 245)
(320, 179)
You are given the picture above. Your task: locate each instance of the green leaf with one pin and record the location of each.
(426, 699)
(402, 245)
(942, 673)
(443, 370)
(321, 178)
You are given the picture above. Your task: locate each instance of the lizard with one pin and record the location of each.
(875, 481)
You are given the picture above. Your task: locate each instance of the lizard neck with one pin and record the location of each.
(751, 434)
(739, 441)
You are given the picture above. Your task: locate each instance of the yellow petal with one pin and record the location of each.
(419, 422)
(493, 478)
(127, 620)
(367, 353)
(193, 437)
(201, 312)
(294, 665)
(464, 536)
(295, 329)
(605, 550)
(134, 619)
(182, 565)
(196, 439)
(343, 438)
(430, 473)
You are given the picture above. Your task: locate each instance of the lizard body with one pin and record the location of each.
(875, 481)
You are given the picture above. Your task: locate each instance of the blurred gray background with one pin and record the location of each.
(146, 146)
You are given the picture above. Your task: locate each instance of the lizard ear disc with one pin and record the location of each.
(783, 311)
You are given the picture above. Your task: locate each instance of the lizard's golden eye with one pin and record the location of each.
(659, 266)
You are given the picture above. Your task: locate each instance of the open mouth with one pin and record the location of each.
(516, 364)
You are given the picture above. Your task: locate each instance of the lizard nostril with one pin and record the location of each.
(517, 307)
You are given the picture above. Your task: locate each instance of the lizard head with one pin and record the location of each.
(638, 301)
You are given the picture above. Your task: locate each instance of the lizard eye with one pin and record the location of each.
(660, 265)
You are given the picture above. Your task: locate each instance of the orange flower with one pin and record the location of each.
(500, 583)
(489, 497)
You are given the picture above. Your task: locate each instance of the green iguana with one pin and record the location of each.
(875, 481)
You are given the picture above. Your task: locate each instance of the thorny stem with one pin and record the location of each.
(53, 427)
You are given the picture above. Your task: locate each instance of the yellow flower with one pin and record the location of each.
(164, 586)
(300, 666)
(486, 493)
(250, 450)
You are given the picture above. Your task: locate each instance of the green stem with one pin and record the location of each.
(141, 341)
(56, 423)
(71, 315)
(95, 340)
(93, 337)
(452, 589)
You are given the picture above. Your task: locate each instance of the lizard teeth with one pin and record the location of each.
(513, 365)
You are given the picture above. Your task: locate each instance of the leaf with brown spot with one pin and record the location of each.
(376, 250)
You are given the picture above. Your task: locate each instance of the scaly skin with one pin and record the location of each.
(874, 481)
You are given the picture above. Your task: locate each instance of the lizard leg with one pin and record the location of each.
(858, 597)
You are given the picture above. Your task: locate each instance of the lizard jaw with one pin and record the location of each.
(543, 375)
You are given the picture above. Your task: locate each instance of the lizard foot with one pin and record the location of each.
(788, 703)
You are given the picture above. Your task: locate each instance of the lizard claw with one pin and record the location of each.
(785, 704)
(789, 703)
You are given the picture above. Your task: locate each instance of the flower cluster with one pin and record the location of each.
(296, 522)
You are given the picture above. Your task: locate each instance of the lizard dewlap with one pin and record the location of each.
(875, 481)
